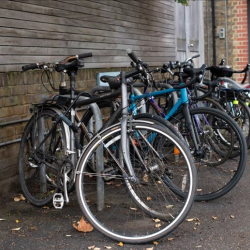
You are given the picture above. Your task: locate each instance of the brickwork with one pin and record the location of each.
(237, 33)
(18, 91)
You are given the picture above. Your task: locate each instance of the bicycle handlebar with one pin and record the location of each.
(211, 85)
(133, 56)
(32, 66)
(58, 66)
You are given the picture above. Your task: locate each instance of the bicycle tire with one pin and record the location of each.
(240, 113)
(215, 180)
(209, 103)
(118, 206)
(39, 172)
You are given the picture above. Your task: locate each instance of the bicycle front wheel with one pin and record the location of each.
(219, 138)
(144, 208)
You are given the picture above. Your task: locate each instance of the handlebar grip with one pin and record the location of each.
(85, 55)
(198, 55)
(30, 66)
(132, 56)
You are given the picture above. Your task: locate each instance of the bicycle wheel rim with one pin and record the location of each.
(130, 207)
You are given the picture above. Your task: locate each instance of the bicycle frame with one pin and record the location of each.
(182, 101)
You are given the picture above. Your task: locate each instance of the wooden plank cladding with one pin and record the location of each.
(33, 31)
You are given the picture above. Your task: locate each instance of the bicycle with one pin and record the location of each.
(136, 174)
(212, 136)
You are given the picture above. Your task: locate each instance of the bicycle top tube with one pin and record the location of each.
(183, 99)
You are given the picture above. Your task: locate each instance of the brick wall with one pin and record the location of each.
(237, 33)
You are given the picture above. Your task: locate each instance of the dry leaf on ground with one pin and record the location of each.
(120, 244)
(16, 229)
(156, 220)
(83, 226)
(19, 197)
(133, 208)
(193, 219)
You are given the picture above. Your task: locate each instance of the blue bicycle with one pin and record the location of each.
(212, 136)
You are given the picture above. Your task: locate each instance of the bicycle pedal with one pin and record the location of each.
(58, 201)
(109, 174)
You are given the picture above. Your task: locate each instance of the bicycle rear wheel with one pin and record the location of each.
(142, 209)
(40, 168)
(220, 137)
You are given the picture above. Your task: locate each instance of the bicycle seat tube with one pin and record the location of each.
(72, 77)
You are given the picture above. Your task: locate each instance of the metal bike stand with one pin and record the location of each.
(99, 157)
(42, 174)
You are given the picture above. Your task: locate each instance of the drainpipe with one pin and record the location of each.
(213, 32)
(226, 32)
(208, 41)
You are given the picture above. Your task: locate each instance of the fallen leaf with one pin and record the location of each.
(19, 197)
(83, 226)
(155, 243)
(156, 220)
(133, 208)
(110, 183)
(199, 190)
(170, 239)
(169, 206)
(16, 229)
(97, 248)
(145, 178)
(195, 228)
(150, 248)
(157, 225)
(45, 207)
(149, 198)
(232, 216)
(214, 217)
(193, 219)
(91, 247)
(17, 221)
(120, 244)
(107, 247)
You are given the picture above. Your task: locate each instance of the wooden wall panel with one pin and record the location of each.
(34, 31)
